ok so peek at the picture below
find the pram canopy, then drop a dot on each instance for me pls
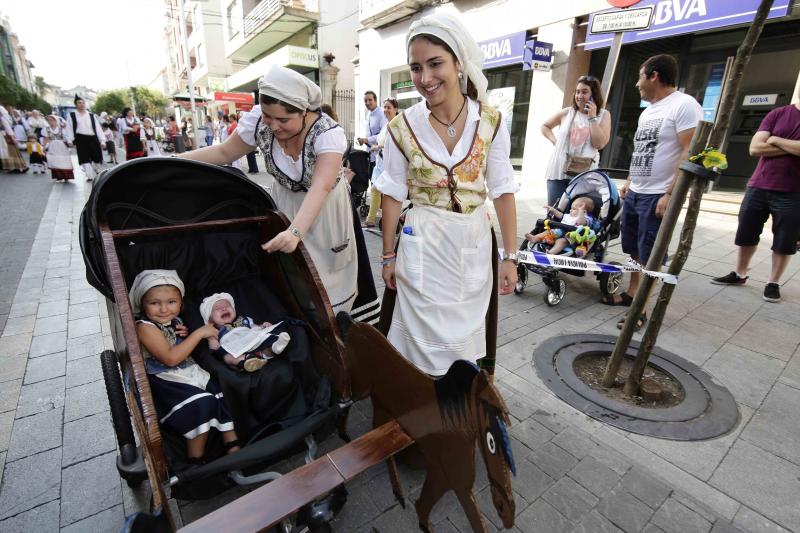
(595, 184)
(161, 191)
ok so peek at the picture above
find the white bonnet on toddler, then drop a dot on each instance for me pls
(146, 280)
(208, 304)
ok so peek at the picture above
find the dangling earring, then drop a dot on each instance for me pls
(460, 75)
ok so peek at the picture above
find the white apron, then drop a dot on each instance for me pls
(330, 241)
(444, 285)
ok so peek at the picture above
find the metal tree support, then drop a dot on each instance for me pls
(685, 181)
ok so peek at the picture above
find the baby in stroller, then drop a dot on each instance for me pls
(255, 347)
(580, 215)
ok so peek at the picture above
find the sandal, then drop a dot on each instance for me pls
(641, 321)
(625, 299)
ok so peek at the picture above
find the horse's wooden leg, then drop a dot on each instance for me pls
(432, 491)
(394, 477)
(470, 506)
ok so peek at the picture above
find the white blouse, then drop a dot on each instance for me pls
(331, 141)
(499, 172)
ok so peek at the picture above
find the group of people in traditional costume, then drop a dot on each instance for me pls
(445, 154)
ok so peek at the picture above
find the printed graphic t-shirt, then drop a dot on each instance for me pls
(655, 146)
(781, 173)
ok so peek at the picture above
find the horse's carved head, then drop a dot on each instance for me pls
(495, 444)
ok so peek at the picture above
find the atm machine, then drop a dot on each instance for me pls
(748, 116)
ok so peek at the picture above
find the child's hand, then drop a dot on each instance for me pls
(209, 331)
(213, 343)
(266, 324)
(181, 330)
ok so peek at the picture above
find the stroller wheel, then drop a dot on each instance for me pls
(363, 210)
(555, 292)
(610, 282)
(522, 279)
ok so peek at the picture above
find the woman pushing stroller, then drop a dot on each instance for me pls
(303, 150)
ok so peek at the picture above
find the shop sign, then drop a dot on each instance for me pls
(244, 106)
(538, 55)
(503, 50)
(402, 85)
(302, 57)
(679, 17)
(242, 98)
(760, 99)
(621, 20)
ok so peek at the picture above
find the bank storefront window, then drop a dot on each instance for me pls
(510, 91)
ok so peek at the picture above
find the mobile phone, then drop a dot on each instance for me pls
(586, 107)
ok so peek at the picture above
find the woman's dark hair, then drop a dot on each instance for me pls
(597, 92)
(665, 65)
(394, 103)
(330, 111)
(125, 112)
(472, 92)
(269, 100)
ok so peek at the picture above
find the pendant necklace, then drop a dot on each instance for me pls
(451, 130)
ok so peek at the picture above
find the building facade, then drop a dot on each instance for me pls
(702, 34)
(14, 63)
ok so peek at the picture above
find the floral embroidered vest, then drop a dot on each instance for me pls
(265, 138)
(460, 188)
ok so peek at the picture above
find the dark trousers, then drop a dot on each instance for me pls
(252, 164)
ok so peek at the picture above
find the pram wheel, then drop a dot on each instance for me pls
(522, 279)
(129, 462)
(363, 210)
(555, 292)
(610, 282)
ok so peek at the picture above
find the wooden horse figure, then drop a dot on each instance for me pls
(444, 416)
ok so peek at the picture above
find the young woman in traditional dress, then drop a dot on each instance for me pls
(303, 150)
(59, 160)
(446, 154)
(133, 135)
(10, 155)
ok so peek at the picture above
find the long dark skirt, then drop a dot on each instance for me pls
(89, 149)
(367, 307)
(188, 410)
(134, 148)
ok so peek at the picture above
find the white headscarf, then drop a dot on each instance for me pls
(208, 304)
(290, 87)
(146, 280)
(448, 28)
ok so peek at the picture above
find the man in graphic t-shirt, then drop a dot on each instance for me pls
(661, 142)
(773, 189)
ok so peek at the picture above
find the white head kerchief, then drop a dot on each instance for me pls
(448, 28)
(146, 280)
(208, 304)
(290, 87)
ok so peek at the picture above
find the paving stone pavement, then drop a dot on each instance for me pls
(57, 448)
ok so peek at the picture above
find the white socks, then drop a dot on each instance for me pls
(279, 345)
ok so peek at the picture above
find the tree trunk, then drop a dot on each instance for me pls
(660, 247)
(722, 123)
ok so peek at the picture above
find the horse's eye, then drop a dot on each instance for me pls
(490, 443)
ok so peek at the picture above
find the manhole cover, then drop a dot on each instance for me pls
(703, 409)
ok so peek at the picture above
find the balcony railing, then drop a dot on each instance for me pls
(266, 8)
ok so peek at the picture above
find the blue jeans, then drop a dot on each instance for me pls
(555, 188)
(209, 140)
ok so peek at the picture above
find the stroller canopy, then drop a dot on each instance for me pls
(595, 184)
(162, 191)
